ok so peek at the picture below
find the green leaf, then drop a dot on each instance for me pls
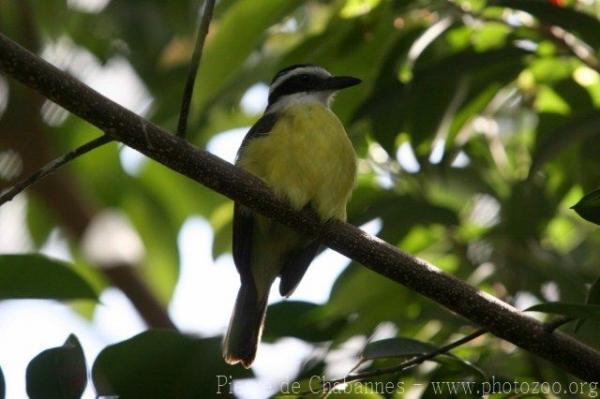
(39, 277)
(577, 310)
(396, 347)
(301, 320)
(164, 364)
(58, 373)
(589, 207)
(491, 35)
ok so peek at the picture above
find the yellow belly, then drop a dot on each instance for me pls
(306, 158)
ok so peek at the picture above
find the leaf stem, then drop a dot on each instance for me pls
(51, 167)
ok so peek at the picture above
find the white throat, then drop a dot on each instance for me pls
(324, 98)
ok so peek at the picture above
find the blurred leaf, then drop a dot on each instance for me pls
(164, 364)
(444, 79)
(551, 69)
(421, 116)
(577, 310)
(388, 94)
(40, 221)
(589, 207)
(225, 52)
(39, 277)
(408, 347)
(396, 347)
(491, 35)
(300, 320)
(58, 373)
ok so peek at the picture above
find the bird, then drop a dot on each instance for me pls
(302, 151)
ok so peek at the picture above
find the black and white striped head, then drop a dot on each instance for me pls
(305, 83)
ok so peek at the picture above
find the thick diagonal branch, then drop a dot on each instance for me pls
(490, 313)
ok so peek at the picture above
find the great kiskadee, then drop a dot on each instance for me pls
(301, 150)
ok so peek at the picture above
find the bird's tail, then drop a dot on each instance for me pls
(245, 327)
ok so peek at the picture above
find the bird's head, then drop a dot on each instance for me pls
(305, 83)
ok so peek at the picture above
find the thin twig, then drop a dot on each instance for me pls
(574, 45)
(186, 101)
(51, 167)
(329, 385)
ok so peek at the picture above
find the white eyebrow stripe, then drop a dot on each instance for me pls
(314, 70)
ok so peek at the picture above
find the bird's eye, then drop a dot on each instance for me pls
(304, 78)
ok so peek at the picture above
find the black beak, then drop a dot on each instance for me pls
(340, 82)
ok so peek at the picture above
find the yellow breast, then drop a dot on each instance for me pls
(306, 158)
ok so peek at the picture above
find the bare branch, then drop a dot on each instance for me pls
(575, 46)
(186, 102)
(415, 361)
(496, 316)
(51, 167)
(330, 385)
